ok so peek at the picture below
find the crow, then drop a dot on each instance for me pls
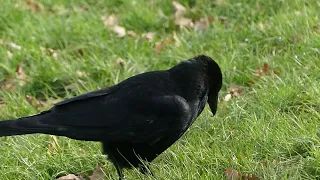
(135, 120)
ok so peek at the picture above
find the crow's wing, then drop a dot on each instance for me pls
(119, 114)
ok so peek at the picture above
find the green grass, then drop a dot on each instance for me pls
(271, 130)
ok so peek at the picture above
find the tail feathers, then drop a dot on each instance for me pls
(45, 124)
(26, 125)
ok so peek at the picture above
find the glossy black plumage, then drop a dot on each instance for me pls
(136, 119)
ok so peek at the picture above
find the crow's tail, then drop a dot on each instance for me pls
(25, 125)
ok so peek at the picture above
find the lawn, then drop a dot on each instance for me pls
(267, 125)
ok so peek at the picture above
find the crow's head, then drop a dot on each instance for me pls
(214, 76)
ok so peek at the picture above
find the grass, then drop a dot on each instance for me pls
(271, 130)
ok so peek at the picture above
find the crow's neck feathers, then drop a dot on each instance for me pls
(196, 75)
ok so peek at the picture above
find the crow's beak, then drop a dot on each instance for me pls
(213, 103)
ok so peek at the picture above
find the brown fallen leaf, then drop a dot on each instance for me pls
(33, 5)
(160, 45)
(179, 13)
(81, 74)
(262, 71)
(97, 173)
(201, 24)
(233, 91)
(70, 177)
(228, 97)
(183, 22)
(120, 61)
(179, 8)
(34, 102)
(111, 22)
(132, 33)
(21, 76)
(49, 51)
(7, 84)
(232, 174)
(84, 7)
(148, 35)
(261, 26)
(119, 30)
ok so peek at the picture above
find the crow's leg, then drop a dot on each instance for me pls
(116, 165)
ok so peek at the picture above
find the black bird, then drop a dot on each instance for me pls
(137, 119)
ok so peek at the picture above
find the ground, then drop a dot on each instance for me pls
(267, 125)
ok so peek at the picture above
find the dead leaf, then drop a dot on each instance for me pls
(34, 102)
(120, 61)
(21, 76)
(53, 145)
(97, 173)
(111, 22)
(201, 24)
(81, 74)
(50, 52)
(1, 42)
(179, 13)
(53, 53)
(148, 35)
(179, 8)
(8, 84)
(33, 5)
(183, 22)
(85, 8)
(228, 97)
(262, 71)
(261, 26)
(132, 33)
(233, 91)
(70, 177)
(119, 30)
(160, 45)
(232, 174)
